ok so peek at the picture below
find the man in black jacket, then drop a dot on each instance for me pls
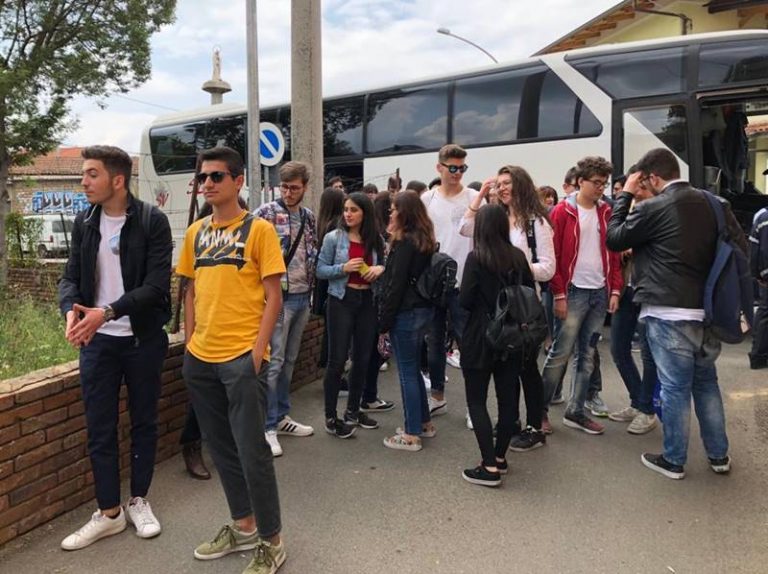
(115, 295)
(673, 240)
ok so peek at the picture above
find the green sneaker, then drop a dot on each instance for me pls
(266, 558)
(227, 540)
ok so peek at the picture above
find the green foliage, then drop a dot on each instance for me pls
(31, 337)
(21, 236)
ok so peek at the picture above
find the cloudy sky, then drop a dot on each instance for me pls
(366, 43)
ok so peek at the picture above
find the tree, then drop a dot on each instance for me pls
(53, 50)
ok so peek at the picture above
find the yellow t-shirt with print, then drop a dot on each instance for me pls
(228, 262)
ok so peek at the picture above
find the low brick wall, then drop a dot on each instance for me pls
(44, 467)
(38, 283)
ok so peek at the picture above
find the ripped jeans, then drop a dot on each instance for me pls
(685, 354)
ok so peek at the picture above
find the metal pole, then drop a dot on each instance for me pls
(447, 32)
(254, 168)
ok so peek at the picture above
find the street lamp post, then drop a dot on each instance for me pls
(447, 32)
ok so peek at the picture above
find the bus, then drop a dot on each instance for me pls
(704, 97)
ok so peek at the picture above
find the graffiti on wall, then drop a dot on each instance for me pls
(68, 202)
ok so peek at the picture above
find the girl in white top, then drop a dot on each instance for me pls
(517, 194)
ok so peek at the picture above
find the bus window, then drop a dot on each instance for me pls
(229, 132)
(560, 112)
(486, 108)
(174, 149)
(726, 63)
(343, 127)
(644, 128)
(635, 74)
(408, 119)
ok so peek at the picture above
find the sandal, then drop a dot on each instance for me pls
(398, 442)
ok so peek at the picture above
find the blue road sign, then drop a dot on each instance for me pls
(271, 144)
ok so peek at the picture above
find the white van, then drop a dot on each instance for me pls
(56, 235)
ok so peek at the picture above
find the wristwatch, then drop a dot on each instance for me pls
(109, 313)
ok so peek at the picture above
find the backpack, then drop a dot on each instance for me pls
(519, 323)
(728, 289)
(438, 280)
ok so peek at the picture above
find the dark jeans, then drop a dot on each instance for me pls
(436, 338)
(351, 322)
(371, 386)
(407, 333)
(760, 327)
(623, 326)
(230, 400)
(476, 381)
(191, 432)
(533, 391)
(104, 364)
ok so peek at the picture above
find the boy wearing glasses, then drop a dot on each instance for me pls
(115, 295)
(234, 265)
(297, 231)
(587, 282)
(446, 205)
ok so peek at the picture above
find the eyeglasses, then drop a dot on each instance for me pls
(291, 188)
(455, 168)
(216, 176)
(598, 183)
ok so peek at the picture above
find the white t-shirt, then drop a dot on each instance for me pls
(109, 276)
(446, 214)
(671, 313)
(588, 272)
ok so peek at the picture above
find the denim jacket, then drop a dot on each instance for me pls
(334, 253)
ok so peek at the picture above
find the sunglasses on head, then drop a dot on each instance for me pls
(455, 168)
(216, 176)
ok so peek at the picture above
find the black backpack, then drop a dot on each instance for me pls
(518, 324)
(438, 280)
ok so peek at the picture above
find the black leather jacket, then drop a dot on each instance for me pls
(672, 237)
(145, 261)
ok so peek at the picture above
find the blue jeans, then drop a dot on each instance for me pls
(685, 354)
(407, 333)
(436, 338)
(581, 329)
(623, 326)
(105, 363)
(285, 345)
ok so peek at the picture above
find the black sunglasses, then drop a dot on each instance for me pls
(455, 168)
(216, 176)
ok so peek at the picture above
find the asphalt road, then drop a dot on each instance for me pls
(582, 504)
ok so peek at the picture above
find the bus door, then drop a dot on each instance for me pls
(644, 124)
(733, 135)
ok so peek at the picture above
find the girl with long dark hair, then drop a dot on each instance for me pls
(405, 315)
(532, 233)
(492, 264)
(350, 260)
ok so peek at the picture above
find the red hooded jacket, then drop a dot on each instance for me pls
(565, 220)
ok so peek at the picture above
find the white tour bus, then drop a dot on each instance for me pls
(704, 97)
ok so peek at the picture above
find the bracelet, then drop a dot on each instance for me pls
(472, 209)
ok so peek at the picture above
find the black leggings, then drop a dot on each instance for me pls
(533, 391)
(505, 375)
(351, 321)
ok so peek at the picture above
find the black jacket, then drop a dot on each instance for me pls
(145, 262)
(673, 238)
(405, 264)
(479, 289)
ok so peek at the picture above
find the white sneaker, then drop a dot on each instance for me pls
(470, 426)
(291, 427)
(437, 407)
(454, 359)
(642, 424)
(274, 444)
(625, 415)
(98, 527)
(384, 367)
(141, 516)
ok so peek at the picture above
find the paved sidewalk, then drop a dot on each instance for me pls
(583, 504)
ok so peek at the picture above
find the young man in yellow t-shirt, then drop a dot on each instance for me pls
(234, 264)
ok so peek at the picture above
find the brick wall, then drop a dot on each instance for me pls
(39, 283)
(44, 468)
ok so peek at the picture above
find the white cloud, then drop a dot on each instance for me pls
(366, 43)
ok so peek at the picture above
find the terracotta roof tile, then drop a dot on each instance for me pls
(63, 161)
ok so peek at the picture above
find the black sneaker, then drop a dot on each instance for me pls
(479, 475)
(360, 420)
(658, 463)
(379, 405)
(339, 428)
(502, 466)
(527, 440)
(721, 465)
